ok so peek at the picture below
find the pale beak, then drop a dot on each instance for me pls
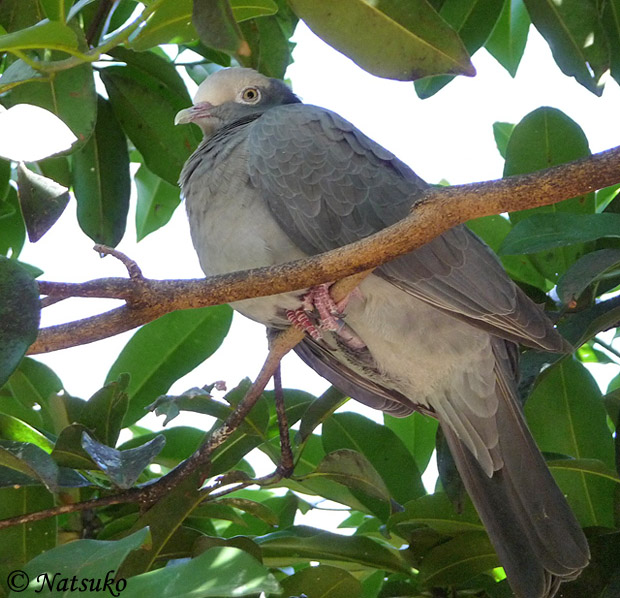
(193, 113)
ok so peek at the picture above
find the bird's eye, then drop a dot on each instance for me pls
(251, 95)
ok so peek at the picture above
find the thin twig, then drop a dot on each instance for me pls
(286, 465)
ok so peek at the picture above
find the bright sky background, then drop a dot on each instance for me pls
(447, 137)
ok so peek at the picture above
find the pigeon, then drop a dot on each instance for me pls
(435, 330)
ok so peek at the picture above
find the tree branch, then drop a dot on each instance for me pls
(434, 211)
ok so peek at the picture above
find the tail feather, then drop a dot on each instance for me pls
(537, 538)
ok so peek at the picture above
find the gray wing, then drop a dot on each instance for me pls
(328, 185)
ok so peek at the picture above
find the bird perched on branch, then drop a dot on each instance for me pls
(434, 330)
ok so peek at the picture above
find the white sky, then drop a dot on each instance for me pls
(446, 137)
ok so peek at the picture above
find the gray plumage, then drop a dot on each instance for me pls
(275, 180)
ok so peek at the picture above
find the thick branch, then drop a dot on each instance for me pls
(434, 211)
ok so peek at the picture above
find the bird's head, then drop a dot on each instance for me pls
(231, 94)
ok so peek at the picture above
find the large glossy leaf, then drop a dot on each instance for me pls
(300, 543)
(543, 232)
(15, 14)
(101, 180)
(319, 411)
(12, 428)
(12, 227)
(611, 23)
(170, 22)
(474, 21)
(417, 433)
(217, 26)
(21, 543)
(547, 137)
(574, 32)
(69, 94)
(163, 351)
(383, 449)
(92, 559)
(157, 201)
(42, 201)
(52, 35)
(507, 42)
(20, 312)
(587, 270)
(459, 559)
(30, 460)
(323, 581)
(26, 395)
(268, 39)
(218, 572)
(566, 416)
(145, 106)
(390, 39)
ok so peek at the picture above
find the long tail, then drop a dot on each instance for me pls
(536, 536)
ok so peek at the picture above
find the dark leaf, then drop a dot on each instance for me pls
(611, 23)
(542, 232)
(417, 432)
(319, 411)
(474, 21)
(389, 39)
(170, 22)
(323, 581)
(42, 201)
(12, 227)
(20, 311)
(29, 459)
(588, 269)
(566, 415)
(101, 180)
(146, 106)
(217, 27)
(507, 42)
(163, 351)
(122, 467)
(574, 32)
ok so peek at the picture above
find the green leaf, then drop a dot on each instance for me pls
(542, 232)
(353, 470)
(270, 48)
(474, 21)
(146, 106)
(26, 395)
(68, 451)
(21, 543)
(29, 459)
(573, 30)
(323, 581)
(587, 270)
(122, 467)
(170, 23)
(157, 201)
(163, 351)
(437, 512)
(101, 180)
(547, 137)
(389, 39)
(507, 42)
(300, 544)
(52, 35)
(502, 133)
(18, 73)
(16, 15)
(103, 413)
(251, 507)
(69, 94)
(42, 201)
(218, 572)
(566, 416)
(458, 559)
(12, 428)
(611, 23)
(92, 559)
(493, 230)
(417, 432)
(319, 411)
(383, 449)
(588, 466)
(217, 27)
(55, 9)
(12, 227)
(20, 311)
(243, 10)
